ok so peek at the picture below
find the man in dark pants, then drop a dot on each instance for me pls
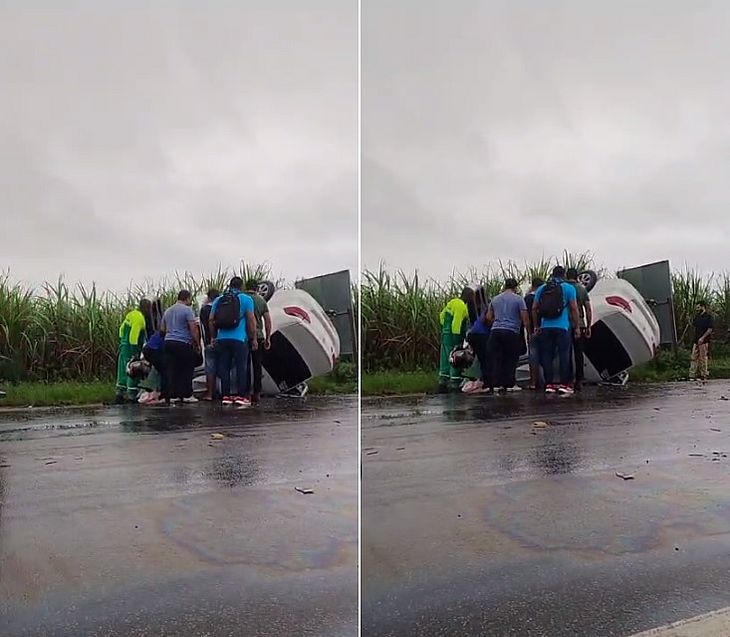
(532, 340)
(585, 314)
(211, 373)
(182, 339)
(263, 336)
(478, 338)
(507, 314)
(232, 342)
(554, 312)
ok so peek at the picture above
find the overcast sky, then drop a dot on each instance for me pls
(516, 129)
(137, 142)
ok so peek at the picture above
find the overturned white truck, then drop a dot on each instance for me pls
(304, 344)
(625, 331)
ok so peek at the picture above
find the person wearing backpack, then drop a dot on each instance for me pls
(232, 328)
(554, 313)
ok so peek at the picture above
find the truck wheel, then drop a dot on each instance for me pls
(266, 289)
(588, 278)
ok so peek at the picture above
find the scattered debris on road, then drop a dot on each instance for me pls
(624, 476)
(217, 436)
(304, 491)
(52, 462)
(540, 424)
(401, 449)
(697, 455)
(371, 453)
(724, 398)
(715, 429)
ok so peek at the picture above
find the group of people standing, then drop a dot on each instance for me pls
(233, 330)
(551, 322)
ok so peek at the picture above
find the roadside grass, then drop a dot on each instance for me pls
(666, 368)
(393, 383)
(343, 380)
(58, 394)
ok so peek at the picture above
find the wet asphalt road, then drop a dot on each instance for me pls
(475, 522)
(133, 521)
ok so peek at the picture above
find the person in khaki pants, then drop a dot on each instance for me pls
(703, 325)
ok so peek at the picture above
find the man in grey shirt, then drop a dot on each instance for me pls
(507, 314)
(182, 339)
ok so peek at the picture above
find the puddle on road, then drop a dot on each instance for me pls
(458, 408)
(145, 420)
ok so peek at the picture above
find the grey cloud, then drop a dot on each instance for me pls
(137, 137)
(523, 128)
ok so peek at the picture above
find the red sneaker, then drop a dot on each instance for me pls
(227, 400)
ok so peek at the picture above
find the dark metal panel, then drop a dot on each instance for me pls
(334, 293)
(654, 282)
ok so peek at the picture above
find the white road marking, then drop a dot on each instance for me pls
(714, 624)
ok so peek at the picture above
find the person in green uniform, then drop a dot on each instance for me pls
(132, 336)
(454, 319)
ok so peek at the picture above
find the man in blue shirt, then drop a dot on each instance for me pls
(232, 342)
(554, 305)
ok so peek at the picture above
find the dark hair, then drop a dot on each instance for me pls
(511, 284)
(467, 295)
(537, 282)
(236, 283)
(184, 295)
(252, 284)
(572, 274)
(559, 272)
(213, 294)
(145, 305)
(702, 303)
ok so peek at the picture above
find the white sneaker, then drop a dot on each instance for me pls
(515, 388)
(190, 400)
(243, 402)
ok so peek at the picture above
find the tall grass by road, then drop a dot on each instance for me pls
(400, 326)
(58, 333)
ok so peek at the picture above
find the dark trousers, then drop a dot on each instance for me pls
(504, 352)
(257, 369)
(156, 357)
(180, 367)
(480, 343)
(233, 354)
(552, 340)
(578, 358)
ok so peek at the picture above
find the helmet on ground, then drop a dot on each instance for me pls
(461, 357)
(138, 368)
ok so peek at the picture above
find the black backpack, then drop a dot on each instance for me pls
(228, 311)
(552, 301)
